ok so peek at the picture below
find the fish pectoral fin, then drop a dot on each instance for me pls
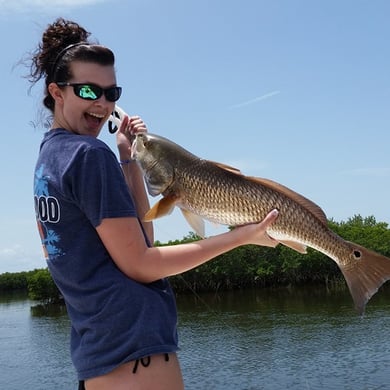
(195, 221)
(163, 207)
(297, 246)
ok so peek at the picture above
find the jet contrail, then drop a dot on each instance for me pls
(257, 99)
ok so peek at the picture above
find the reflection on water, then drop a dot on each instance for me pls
(265, 339)
(34, 349)
(281, 339)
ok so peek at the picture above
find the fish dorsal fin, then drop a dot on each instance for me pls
(195, 221)
(306, 203)
(163, 207)
(226, 167)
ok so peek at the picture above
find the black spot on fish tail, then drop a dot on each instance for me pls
(366, 275)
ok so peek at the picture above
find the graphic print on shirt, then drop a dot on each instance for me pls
(47, 210)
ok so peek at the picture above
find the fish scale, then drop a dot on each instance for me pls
(235, 203)
(221, 194)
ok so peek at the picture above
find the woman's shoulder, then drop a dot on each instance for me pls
(66, 139)
(74, 149)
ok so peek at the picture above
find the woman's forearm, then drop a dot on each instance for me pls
(123, 240)
(135, 182)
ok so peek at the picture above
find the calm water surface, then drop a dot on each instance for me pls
(264, 339)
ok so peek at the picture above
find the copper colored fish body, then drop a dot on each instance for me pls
(204, 189)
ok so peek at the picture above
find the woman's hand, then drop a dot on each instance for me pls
(129, 127)
(257, 233)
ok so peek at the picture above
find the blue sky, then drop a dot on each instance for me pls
(295, 91)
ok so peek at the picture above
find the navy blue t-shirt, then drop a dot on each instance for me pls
(78, 182)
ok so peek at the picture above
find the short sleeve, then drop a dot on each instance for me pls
(98, 186)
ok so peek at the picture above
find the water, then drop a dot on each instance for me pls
(264, 339)
(299, 339)
(33, 348)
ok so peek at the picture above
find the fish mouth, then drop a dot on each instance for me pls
(138, 147)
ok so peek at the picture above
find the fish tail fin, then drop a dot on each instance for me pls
(366, 275)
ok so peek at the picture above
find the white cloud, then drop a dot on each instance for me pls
(17, 259)
(23, 6)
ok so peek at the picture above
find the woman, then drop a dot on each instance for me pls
(121, 307)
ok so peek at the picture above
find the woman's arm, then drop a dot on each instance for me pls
(135, 182)
(132, 172)
(124, 241)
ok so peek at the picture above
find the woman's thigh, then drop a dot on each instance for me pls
(152, 373)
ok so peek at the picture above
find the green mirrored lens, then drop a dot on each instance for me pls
(89, 92)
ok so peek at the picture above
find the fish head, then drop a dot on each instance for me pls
(152, 154)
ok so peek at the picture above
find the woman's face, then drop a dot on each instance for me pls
(80, 116)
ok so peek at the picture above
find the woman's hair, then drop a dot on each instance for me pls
(62, 43)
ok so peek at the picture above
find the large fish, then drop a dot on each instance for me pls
(221, 194)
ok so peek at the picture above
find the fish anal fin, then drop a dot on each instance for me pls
(163, 207)
(195, 221)
(296, 246)
(298, 198)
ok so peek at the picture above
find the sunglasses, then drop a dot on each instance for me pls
(92, 91)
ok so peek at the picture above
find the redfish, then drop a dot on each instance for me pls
(204, 189)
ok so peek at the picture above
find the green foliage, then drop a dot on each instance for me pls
(191, 237)
(247, 266)
(251, 266)
(42, 288)
(366, 232)
(14, 281)
(38, 283)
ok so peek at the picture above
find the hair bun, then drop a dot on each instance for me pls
(59, 35)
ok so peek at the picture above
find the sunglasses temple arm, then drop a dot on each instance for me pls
(115, 119)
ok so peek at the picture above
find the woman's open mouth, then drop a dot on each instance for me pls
(94, 120)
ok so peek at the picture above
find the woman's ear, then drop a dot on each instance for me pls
(56, 92)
